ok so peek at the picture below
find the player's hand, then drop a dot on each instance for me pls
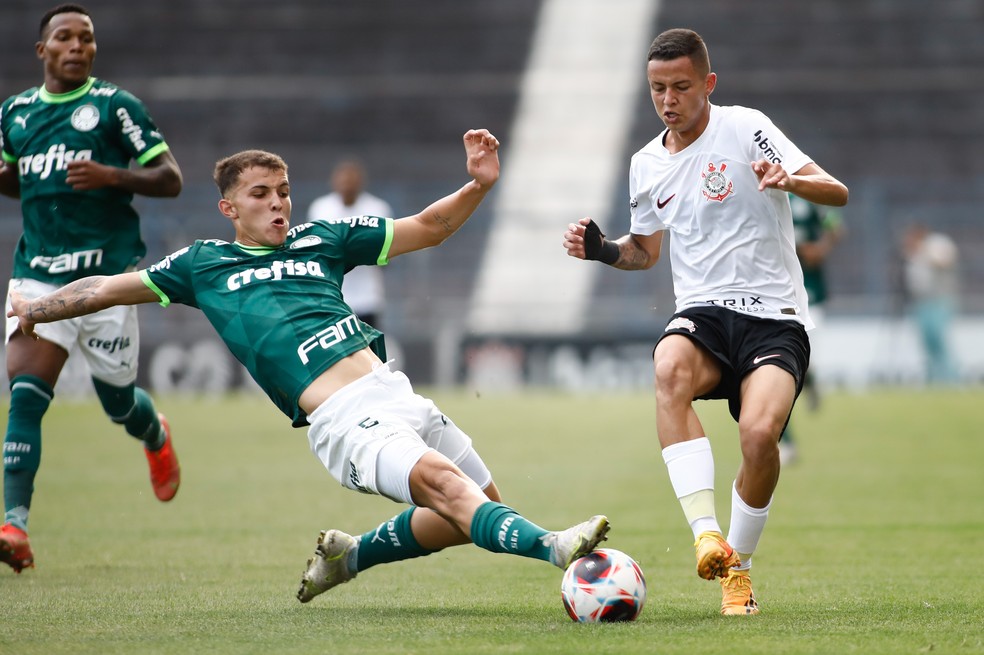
(86, 175)
(574, 237)
(482, 152)
(771, 175)
(18, 308)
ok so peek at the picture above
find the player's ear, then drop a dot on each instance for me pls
(227, 208)
(710, 82)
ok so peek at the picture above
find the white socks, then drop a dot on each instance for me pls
(690, 465)
(747, 524)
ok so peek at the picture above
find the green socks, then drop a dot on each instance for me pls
(132, 407)
(392, 541)
(29, 400)
(495, 527)
(500, 529)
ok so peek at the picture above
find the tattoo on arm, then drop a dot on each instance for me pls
(631, 256)
(443, 222)
(75, 299)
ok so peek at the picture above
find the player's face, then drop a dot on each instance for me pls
(347, 181)
(67, 48)
(259, 207)
(680, 94)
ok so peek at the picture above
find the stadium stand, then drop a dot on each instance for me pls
(885, 93)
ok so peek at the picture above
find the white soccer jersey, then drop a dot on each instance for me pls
(731, 245)
(363, 287)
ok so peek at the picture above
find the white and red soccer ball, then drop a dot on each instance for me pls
(604, 586)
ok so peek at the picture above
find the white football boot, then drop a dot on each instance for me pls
(329, 566)
(576, 541)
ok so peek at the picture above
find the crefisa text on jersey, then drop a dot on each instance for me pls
(275, 271)
(56, 158)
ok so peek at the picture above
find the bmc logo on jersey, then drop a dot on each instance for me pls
(769, 150)
(56, 159)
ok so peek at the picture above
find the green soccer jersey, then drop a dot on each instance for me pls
(71, 234)
(810, 221)
(280, 311)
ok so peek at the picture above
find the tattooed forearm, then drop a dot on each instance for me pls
(444, 222)
(631, 257)
(75, 299)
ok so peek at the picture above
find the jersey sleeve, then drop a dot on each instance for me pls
(138, 132)
(643, 219)
(766, 141)
(171, 277)
(7, 156)
(363, 240)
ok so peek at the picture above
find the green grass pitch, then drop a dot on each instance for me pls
(874, 542)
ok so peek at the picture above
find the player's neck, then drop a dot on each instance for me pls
(57, 87)
(676, 140)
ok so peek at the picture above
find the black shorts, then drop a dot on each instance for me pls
(742, 343)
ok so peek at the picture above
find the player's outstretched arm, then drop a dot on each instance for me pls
(442, 218)
(85, 296)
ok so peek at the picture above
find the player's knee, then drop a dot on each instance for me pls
(439, 484)
(760, 438)
(117, 401)
(492, 492)
(673, 376)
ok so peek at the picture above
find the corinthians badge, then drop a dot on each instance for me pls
(716, 184)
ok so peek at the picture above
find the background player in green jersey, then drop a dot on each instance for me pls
(66, 149)
(818, 228)
(274, 296)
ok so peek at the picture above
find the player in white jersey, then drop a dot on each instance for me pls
(717, 179)
(363, 287)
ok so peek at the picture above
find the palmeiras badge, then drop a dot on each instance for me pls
(716, 184)
(85, 118)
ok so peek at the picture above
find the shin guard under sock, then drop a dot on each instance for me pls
(500, 529)
(29, 400)
(392, 541)
(132, 407)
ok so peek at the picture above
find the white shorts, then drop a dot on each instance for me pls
(372, 432)
(109, 340)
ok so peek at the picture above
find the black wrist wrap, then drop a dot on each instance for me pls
(596, 247)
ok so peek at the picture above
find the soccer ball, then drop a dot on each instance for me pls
(603, 586)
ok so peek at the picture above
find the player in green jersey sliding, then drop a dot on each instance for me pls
(66, 147)
(274, 296)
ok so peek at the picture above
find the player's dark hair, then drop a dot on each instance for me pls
(229, 169)
(60, 9)
(679, 42)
